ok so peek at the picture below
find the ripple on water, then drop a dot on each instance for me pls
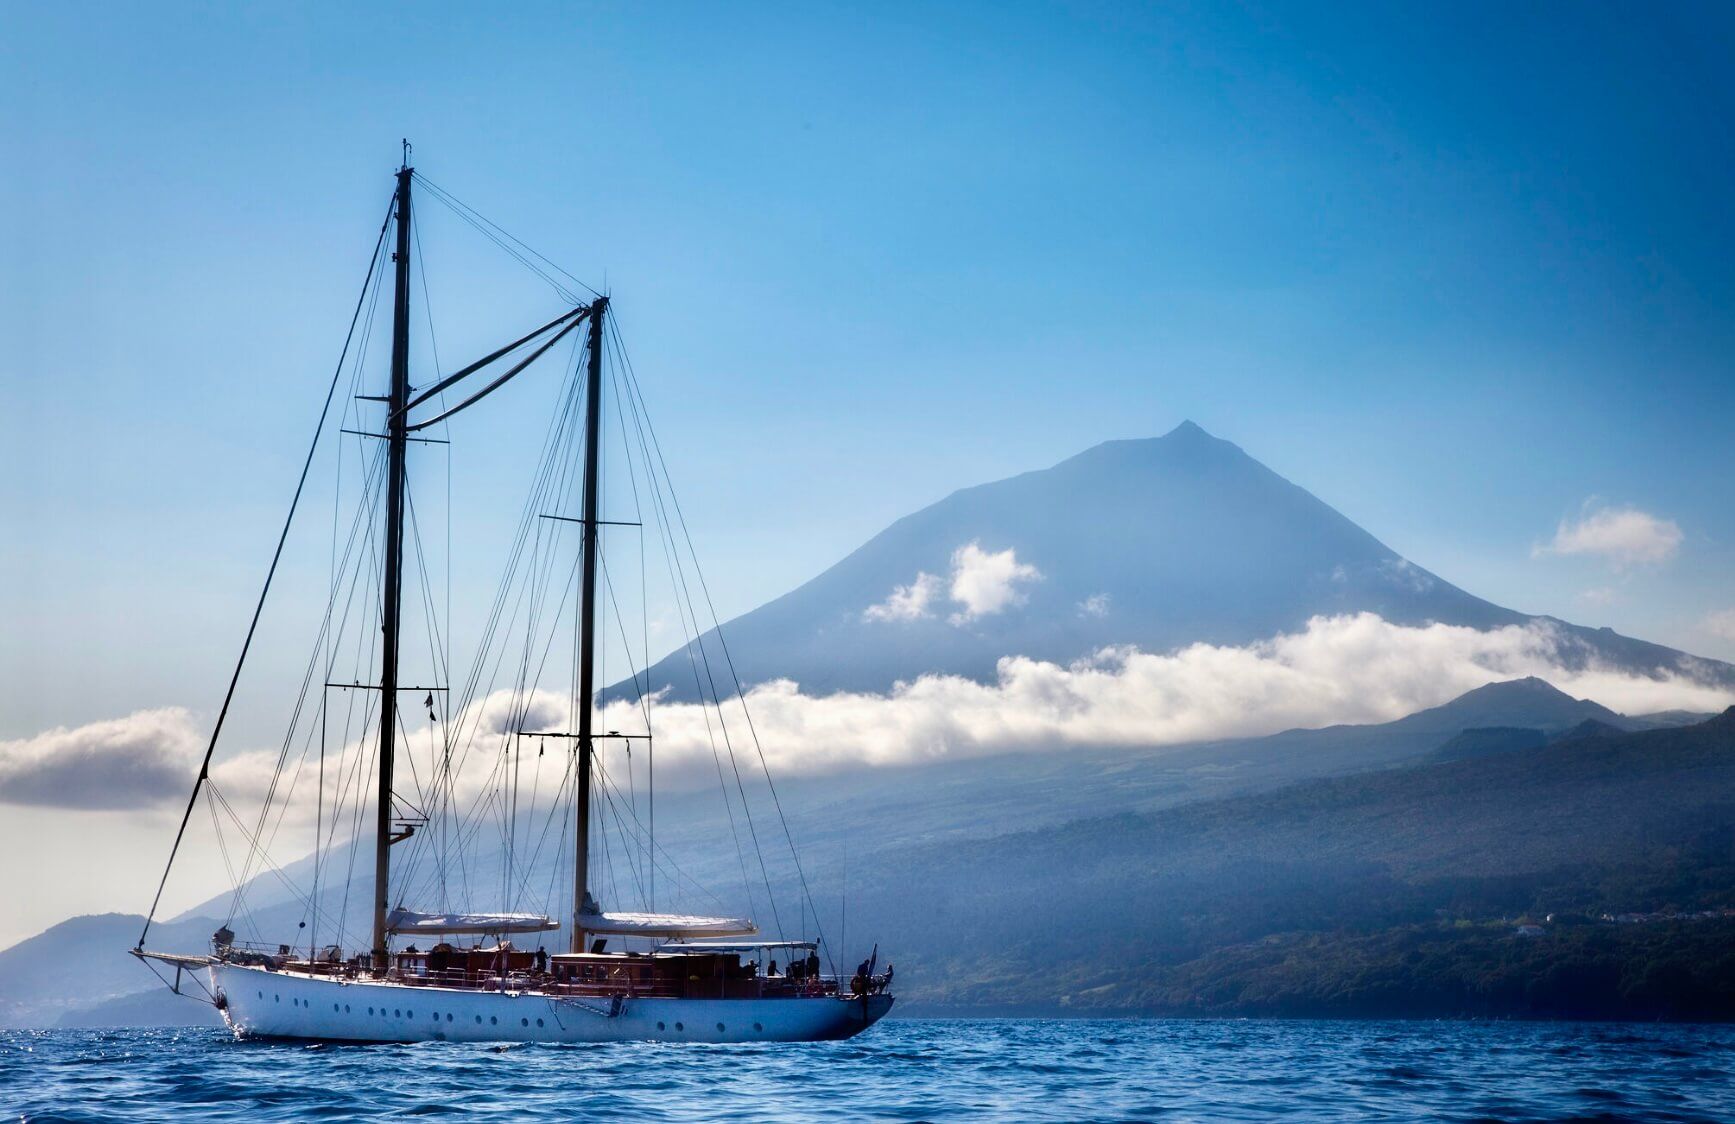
(903, 1070)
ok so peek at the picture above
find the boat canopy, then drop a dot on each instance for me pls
(664, 925)
(408, 921)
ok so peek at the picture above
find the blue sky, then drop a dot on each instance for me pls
(1459, 270)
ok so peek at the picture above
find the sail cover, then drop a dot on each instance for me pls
(408, 921)
(665, 925)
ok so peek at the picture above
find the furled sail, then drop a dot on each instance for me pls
(665, 925)
(409, 921)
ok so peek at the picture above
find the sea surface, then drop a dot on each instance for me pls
(905, 1070)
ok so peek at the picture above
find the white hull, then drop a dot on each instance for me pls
(260, 1003)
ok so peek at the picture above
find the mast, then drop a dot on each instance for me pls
(391, 596)
(587, 623)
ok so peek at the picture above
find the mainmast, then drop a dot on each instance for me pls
(587, 623)
(391, 596)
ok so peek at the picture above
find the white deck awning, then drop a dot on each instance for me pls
(409, 921)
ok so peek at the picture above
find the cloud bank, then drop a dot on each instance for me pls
(1345, 669)
(1624, 536)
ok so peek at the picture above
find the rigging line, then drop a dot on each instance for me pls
(746, 808)
(228, 697)
(564, 292)
(683, 608)
(644, 623)
(476, 223)
(258, 834)
(559, 430)
(559, 421)
(307, 678)
(454, 200)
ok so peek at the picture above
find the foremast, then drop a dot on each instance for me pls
(587, 622)
(391, 595)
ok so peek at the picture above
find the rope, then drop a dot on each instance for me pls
(276, 556)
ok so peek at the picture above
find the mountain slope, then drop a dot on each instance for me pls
(1639, 821)
(1156, 543)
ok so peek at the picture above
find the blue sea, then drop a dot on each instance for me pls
(905, 1070)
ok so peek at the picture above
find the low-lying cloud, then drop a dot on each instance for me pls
(146, 758)
(1624, 536)
(1345, 669)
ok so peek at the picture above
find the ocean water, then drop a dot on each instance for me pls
(905, 1070)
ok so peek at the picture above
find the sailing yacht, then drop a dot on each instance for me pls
(458, 974)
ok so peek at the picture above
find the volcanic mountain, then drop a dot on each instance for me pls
(1156, 543)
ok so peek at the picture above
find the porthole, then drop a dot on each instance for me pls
(680, 1026)
(478, 1020)
(409, 1014)
(396, 1014)
(346, 1008)
(448, 1018)
(436, 1016)
(334, 1008)
(660, 1026)
(492, 1021)
(758, 1028)
(538, 1022)
(719, 1028)
(262, 995)
(523, 1022)
(370, 1010)
(277, 999)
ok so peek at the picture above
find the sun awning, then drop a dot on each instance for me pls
(665, 925)
(408, 921)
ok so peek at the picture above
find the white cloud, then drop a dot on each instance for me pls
(907, 602)
(986, 582)
(1349, 669)
(1720, 624)
(1625, 536)
(981, 583)
(1096, 605)
(144, 759)
(1598, 595)
(1346, 669)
